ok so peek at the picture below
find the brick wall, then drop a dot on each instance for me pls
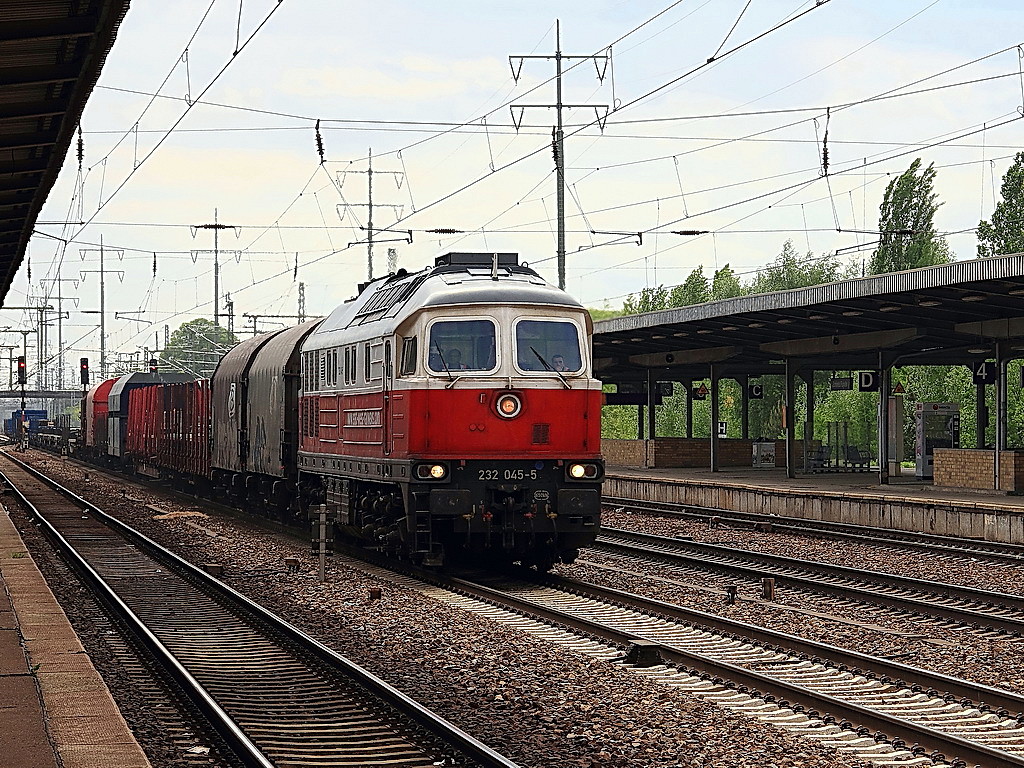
(623, 453)
(966, 468)
(665, 452)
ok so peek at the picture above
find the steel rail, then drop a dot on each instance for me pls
(747, 680)
(433, 723)
(872, 583)
(929, 542)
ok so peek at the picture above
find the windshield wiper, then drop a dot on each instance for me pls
(441, 356)
(551, 368)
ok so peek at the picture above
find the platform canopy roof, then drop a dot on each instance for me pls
(948, 314)
(51, 53)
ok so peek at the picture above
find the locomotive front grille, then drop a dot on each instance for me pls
(541, 434)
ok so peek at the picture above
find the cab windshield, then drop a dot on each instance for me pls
(548, 345)
(461, 345)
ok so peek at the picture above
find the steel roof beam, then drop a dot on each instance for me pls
(39, 75)
(50, 29)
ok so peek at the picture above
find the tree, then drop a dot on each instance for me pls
(694, 290)
(906, 221)
(1005, 233)
(196, 347)
(725, 284)
(789, 271)
(648, 300)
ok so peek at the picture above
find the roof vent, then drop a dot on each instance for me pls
(476, 260)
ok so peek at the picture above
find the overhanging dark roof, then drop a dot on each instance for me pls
(51, 54)
(929, 315)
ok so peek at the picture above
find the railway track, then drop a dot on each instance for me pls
(874, 708)
(950, 546)
(275, 695)
(848, 699)
(968, 606)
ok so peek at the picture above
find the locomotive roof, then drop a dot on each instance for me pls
(455, 279)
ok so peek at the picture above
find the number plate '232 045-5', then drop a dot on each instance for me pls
(507, 474)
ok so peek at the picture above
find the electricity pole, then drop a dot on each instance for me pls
(370, 205)
(216, 227)
(557, 139)
(103, 298)
(60, 321)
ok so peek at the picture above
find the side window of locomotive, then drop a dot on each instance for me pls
(408, 356)
(462, 345)
(374, 362)
(548, 345)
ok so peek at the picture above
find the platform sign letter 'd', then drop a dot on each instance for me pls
(868, 381)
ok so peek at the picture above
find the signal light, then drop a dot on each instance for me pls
(22, 370)
(153, 365)
(83, 367)
(509, 406)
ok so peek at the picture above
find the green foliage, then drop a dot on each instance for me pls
(907, 222)
(790, 271)
(725, 284)
(196, 347)
(1005, 233)
(604, 314)
(694, 290)
(648, 300)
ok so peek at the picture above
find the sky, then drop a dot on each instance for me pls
(208, 109)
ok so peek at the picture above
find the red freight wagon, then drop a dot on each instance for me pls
(168, 432)
(94, 419)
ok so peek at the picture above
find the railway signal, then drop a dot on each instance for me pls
(22, 370)
(153, 365)
(83, 367)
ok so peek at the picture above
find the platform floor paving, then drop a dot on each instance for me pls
(55, 710)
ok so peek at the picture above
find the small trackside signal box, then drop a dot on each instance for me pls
(83, 367)
(22, 370)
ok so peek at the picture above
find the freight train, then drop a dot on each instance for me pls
(438, 415)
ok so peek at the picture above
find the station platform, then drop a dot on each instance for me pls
(55, 710)
(850, 497)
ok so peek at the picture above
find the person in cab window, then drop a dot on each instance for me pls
(454, 359)
(558, 362)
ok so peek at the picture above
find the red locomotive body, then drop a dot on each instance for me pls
(454, 410)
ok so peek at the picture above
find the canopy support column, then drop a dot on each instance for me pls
(714, 418)
(884, 388)
(1000, 442)
(788, 416)
(808, 377)
(744, 381)
(980, 415)
(689, 408)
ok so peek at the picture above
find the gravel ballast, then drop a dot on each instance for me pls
(540, 704)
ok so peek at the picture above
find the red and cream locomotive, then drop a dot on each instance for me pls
(453, 411)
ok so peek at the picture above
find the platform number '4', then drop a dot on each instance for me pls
(984, 372)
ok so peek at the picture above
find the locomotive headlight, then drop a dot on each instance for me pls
(509, 406)
(431, 471)
(583, 471)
